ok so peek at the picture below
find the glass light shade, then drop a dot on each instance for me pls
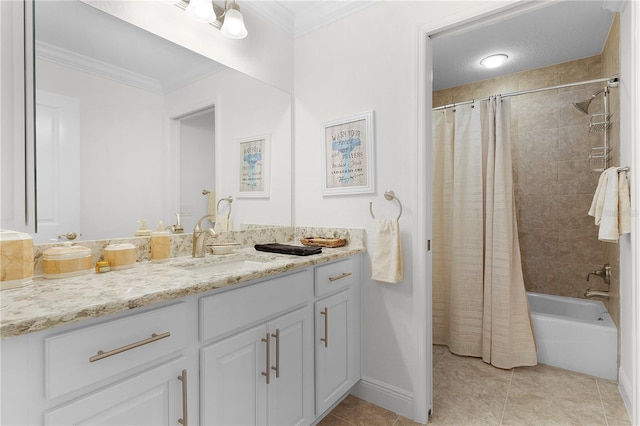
(201, 10)
(233, 26)
(494, 61)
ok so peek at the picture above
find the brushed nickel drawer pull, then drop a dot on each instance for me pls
(341, 276)
(267, 374)
(184, 421)
(277, 367)
(154, 337)
(325, 339)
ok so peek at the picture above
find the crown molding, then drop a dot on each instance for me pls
(83, 63)
(271, 12)
(322, 13)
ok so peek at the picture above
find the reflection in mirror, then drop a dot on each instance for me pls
(114, 116)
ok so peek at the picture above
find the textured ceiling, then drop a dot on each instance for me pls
(553, 33)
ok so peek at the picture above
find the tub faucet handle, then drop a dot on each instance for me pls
(604, 273)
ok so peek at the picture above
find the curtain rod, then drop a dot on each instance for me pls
(612, 80)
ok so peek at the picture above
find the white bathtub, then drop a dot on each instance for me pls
(574, 334)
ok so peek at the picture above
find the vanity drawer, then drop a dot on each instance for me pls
(235, 309)
(335, 276)
(88, 355)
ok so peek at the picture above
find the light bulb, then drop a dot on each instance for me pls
(201, 10)
(233, 26)
(494, 61)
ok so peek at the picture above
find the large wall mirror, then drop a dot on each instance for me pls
(131, 127)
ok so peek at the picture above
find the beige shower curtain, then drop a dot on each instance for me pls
(479, 301)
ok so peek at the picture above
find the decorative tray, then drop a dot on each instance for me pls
(323, 242)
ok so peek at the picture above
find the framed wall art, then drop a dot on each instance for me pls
(347, 155)
(254, 166)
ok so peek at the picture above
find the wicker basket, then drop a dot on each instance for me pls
(323, 242)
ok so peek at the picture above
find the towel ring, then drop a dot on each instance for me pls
(389, 196)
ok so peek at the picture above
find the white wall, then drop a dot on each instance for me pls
(369, 61)
(121, 158)
(244, 107)
(629, 131)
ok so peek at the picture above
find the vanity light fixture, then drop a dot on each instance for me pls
(201, 11)
(233, 23)
(494, 61)
(229, 20)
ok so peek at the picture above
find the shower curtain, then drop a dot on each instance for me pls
(479, 301)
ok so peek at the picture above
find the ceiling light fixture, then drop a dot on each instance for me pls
(494, 61)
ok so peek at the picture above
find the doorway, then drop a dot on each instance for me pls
(197, 165)
(428, 67)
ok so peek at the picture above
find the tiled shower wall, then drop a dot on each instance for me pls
(553, 182)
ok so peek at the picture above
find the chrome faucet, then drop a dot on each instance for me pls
(604, 273)
(200, 236)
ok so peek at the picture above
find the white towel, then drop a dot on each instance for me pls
(211, 204)
(386, 252)
(624, 203)
(611, 205)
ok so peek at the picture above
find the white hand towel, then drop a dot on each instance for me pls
(624, 204)
(597, 204)
(611, 205)
(609, 221)
(211, 204)
(386, 252)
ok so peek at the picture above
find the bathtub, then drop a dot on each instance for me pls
(574, 334)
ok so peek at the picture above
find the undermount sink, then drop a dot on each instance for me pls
(229, 266)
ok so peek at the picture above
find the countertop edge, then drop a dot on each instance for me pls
(26, 324)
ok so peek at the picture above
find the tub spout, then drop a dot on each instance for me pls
(596, 293)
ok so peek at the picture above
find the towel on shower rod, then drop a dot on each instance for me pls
(386, 252)
(611, 205)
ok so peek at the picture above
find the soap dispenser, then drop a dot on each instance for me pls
(160, 244)
(143, 231)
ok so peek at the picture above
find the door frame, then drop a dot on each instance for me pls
(423, 389)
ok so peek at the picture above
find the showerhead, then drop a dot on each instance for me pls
(584, 105)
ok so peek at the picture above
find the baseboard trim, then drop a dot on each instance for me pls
(384, 395)
(625, 389)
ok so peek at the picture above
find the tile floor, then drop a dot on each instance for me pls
(469, 392)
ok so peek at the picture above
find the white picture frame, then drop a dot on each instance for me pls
(254, 166)
(348, 155)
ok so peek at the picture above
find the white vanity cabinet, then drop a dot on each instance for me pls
(262, 375)
(130, 369)
(275, 351)
(153, 397)
(337, 320)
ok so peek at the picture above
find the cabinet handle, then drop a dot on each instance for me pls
(184, 421)
(154, 337)
(325, 339)
(267, 340)
(277, 367)
(341, 276)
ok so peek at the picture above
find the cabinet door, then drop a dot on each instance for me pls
(150, 398)
(233, 389)
(290, 389)
(332, 354)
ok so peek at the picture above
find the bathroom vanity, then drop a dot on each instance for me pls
(247, 338)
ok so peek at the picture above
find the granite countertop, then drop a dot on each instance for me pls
(50, 303)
